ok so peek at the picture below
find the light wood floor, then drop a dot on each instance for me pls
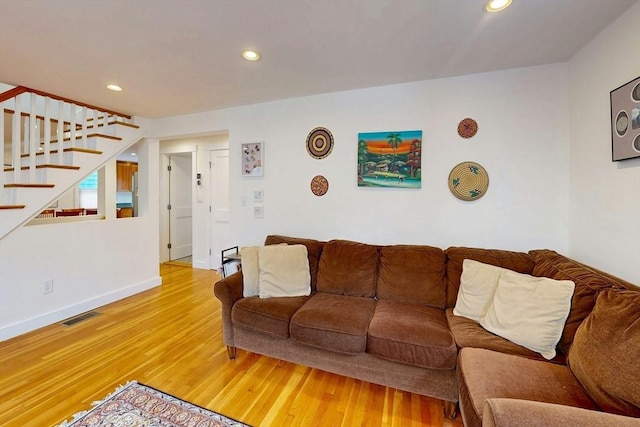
(170, 338)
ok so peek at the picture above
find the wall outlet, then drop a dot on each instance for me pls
(47, 286)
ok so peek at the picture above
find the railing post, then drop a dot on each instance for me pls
(72, 126)
(32, 138)
(2, 180)
(60, 130)
(84, 127)
(47, 130)
(15, 140)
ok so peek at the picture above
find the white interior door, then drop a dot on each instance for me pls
(219, 204)
(180, 214)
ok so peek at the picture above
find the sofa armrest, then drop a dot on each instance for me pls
(527, 413)
(228, 291)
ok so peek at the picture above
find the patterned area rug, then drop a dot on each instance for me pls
(138, 405)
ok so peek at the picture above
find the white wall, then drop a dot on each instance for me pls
(604, 208)
(91, 263)
(523, 142)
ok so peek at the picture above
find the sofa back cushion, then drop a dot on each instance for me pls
(412, 274)
(314, 249)
(606, 350)
(588, 283)
(516, 261)
(348, 268)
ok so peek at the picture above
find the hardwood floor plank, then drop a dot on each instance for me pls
(170, 338)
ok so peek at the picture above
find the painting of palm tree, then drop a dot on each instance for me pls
(390, 159)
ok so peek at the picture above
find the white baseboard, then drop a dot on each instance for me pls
(28, 325)
(204, 265)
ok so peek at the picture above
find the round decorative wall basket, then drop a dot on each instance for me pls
(319, 143)
(467, 128)
(319, 185)
(468, 181)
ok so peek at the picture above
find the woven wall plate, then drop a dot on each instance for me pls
(467, 128)
(319, 185)
(468, 181)
(319, 143)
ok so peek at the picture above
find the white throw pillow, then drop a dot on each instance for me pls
(250, 271)
(284, 271)
(478, 284)
(530, 311)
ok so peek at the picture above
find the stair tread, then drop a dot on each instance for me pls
(29, 185)
(91, 135)
(67, 150)
(46, 166)
(12, 206)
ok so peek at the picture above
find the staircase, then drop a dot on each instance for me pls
(50, 145)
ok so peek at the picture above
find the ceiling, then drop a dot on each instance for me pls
(176, 57)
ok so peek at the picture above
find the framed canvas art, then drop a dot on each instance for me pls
(390, 159)
(625, 121)
(253, 159)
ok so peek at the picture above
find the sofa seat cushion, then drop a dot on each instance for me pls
(469, 333)
(333, 322)
(270, 316)
(412, 334)
(485, 374)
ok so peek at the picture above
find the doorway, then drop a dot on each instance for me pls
(180, 207)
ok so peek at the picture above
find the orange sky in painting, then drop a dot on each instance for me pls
(383, 147)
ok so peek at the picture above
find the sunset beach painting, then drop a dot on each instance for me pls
(390, 159)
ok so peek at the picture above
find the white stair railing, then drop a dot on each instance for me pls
(35, 114)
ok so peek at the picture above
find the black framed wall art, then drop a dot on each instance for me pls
(625, 121)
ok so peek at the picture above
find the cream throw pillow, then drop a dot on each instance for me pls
(530, 311)
(478, 284)
(284, 271)
(250, 271)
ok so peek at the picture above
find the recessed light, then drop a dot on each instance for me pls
(251, 55)
(134, 154)
(496, 5)
(115, 88)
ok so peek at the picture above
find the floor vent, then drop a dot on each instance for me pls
(81, 317)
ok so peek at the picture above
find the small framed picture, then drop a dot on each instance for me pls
(253, 159)
(258, 212)
(258, 196)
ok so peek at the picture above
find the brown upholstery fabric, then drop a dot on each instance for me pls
(333, 322)
(228, 291)
(469, 333)
(588, 283)
(516, 261)
(485, 374)
(412, 334)
(348, 268)
(268, 315)
(314, 250)
(526, 413)
(605, 355)
(412, 274)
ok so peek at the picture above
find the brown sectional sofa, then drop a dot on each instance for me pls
(384, 314)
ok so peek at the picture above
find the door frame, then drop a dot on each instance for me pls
(164, 201)
(199, 147)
